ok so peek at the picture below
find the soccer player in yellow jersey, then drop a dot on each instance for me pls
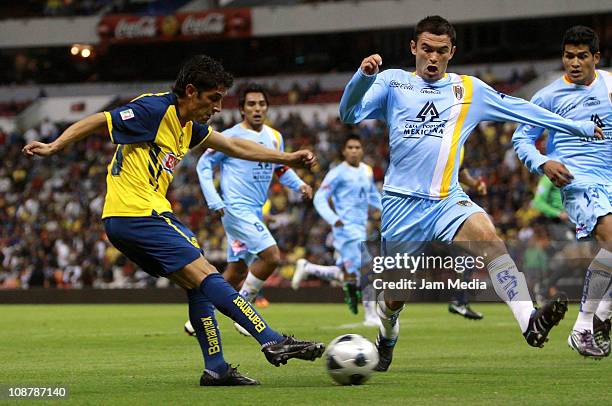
(153, 133)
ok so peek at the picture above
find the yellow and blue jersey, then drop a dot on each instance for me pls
(429, 122)
(587, 158)
(151, 140)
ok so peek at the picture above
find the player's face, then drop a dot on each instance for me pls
(203, 104)
(432, 55)
(254, 110)
(579, 63)
(352, 152)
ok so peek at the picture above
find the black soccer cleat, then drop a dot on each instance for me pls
(352, 296)
(584, 344)
(385, 348)
(601, 334)
(280, 353)
(544, 319)
(464, 310)
(231, 378)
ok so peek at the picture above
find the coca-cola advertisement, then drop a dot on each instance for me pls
(227, 23)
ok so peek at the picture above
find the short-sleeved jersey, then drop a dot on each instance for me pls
(243, 182)
(151, 141)
(587, 158)
(352, 191)
(430, 121)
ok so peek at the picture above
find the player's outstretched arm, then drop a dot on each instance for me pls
(365, 93)
(77, 131)
(205, 170)
(252, 151)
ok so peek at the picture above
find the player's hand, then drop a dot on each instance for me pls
(302, 159)
(599, 133)
(558, 174)
(371, 64)
(220, 212)
(338, 223)
(306, 191)
(563, 216)
(39, 148)
(481, 187)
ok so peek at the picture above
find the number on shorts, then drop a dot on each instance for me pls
(258, 226)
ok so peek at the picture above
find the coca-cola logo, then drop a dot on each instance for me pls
(213, 23)
(144, 27)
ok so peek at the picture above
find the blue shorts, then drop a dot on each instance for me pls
(347, 243)
(409, 219)
(247, 235)
(585, 204)
(159, 243)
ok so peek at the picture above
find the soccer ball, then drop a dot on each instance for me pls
(351, 359)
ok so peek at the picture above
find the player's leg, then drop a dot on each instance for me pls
(260, 270)
(350, 258)
(602, 318)
(460, 303)
(235, 273)
(477, 235)
(589, 208)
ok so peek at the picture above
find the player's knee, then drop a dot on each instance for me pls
(273, 261)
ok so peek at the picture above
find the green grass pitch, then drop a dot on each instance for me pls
(138, 354)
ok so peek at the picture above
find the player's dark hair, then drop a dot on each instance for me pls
(581, 35)
(204, 73)
(350, 137)
(435, 25)
(252, 88)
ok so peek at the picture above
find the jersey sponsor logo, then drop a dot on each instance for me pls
(169, 162)
(591, 101)
(458, 91)
(403, 86)
(126, 114)
(464, 203)
(212, 337)
(427, 122)
(246, 309)
(430, 90)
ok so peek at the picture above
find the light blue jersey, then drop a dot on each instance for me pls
(351, 190)
(244, 186)
(589, 195)
(587, 158)
(430, 121)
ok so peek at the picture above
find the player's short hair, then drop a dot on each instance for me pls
(351, 136)
(435, 25)
(252, 88)
(581, 35)
(204, 73)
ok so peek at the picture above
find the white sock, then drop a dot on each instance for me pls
(369, 302)
(596, 283)
(251, 287)
(511, 287)
(389, 319)
(327, 273)
(604, 310)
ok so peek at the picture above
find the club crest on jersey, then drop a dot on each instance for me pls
(126, 114)
(458, 91)
(169, 162)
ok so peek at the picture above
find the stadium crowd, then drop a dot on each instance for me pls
(50, 209)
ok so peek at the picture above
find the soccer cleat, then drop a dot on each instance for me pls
(464, 310)
(584, 344)
(231, 378)
(544, 319)
(601, 334)
(188, 328)
(385, 348)
(241, 330)
(299, 274)
(281, 352)
(352, 296)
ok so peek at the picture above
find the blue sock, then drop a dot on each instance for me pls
(229, 302)
(202, 318)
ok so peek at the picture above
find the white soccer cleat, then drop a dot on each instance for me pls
(241, 330)
(189, 330)
(299, 274)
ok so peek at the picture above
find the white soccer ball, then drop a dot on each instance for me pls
(351, 359)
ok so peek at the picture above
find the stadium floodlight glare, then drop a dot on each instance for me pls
(85, 52)
(75, 49)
